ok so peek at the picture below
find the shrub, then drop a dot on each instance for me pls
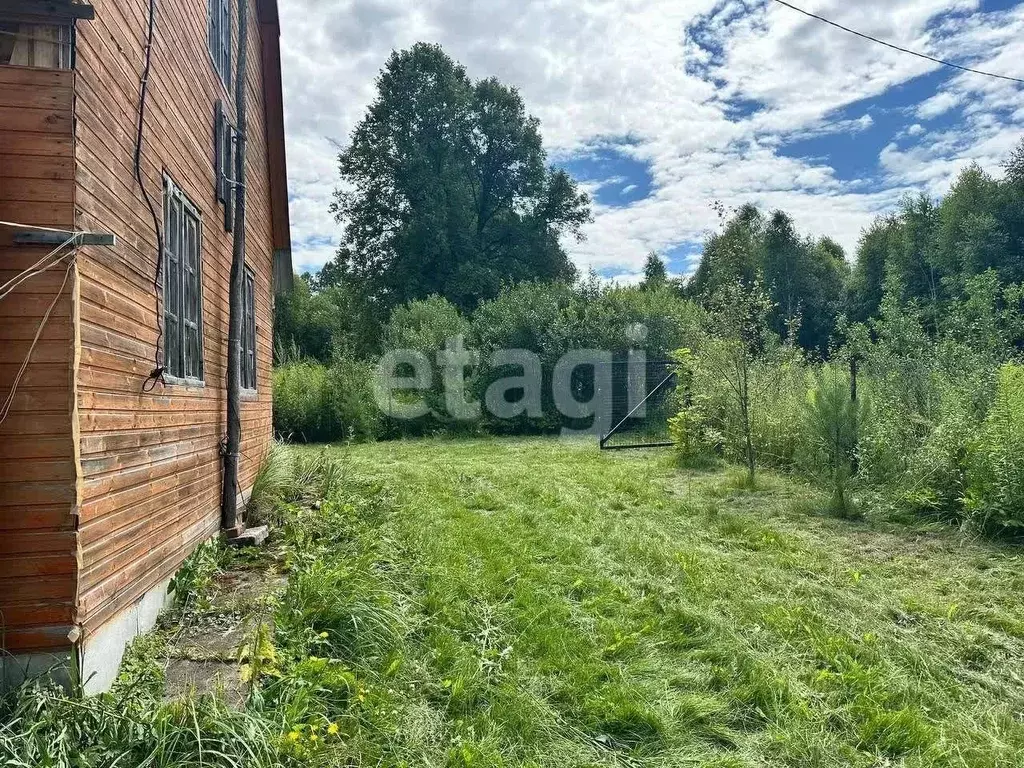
(550, 319)
(935, 480)
(542, 318)
(319, 403)
(426, 326)
(695, 439)
(322, 324)
(781, 380)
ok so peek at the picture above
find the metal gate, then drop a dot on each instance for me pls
(642, 401)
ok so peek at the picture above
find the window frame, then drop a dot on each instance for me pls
(219, 38)
(182, 316)
(64, 42)
(248, 370)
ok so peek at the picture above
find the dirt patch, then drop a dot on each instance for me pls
(202, 656)
(215, 639)
(185, 676)
(241, 591)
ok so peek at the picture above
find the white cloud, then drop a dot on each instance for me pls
(939, 104)
(707, 91)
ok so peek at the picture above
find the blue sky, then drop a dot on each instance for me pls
(661, 107)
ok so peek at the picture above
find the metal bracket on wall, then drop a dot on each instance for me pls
(39, 237)
(67, 8)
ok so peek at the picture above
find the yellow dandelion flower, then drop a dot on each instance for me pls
(313, 737)
(332, 729)
(293, 736)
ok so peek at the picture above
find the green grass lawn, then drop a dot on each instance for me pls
(559, 606)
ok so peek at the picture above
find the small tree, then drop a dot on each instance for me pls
(739, 336)
(832, 419)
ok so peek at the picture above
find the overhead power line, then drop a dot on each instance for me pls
(897, 47)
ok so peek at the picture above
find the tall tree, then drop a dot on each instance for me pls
(655, 273)
(805, 280)
(447, 191)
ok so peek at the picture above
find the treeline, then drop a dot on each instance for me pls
(929, 250)
(328, 351)
(903, 389)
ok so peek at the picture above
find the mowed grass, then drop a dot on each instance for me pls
(560, 606)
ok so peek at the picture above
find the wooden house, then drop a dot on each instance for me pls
(109, 476)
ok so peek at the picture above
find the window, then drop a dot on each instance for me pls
(35, 45)
(248, 330)
(183, 286)
(218, 23)
(224, 135)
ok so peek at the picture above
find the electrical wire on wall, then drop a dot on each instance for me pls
(157, 376)
(47, 262)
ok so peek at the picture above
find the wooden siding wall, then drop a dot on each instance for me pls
(37, 469)
(150, 462)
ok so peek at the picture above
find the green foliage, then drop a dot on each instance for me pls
(996, 495)
(192, 581)
(448, 189)
(736, 351)
(655, 273)
(425, 325)
(318, 475)
(696, 441)
(805, 279)
(935, 249)
(428, 326)
(540, 317)
(46, 728)
(333, 321)
(274, 483)
(832, 421)
(316, 403)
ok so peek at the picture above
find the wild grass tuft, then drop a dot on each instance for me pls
(275, 482)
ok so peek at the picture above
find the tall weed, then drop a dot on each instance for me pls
(318, 403)
(995, 499)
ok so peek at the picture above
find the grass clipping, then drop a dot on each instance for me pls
(540, 603)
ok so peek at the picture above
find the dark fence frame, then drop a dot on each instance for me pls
(660, 380)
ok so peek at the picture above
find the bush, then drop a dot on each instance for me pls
(322, 324)
(319, 403)
(550, 319)
(697, 442)
(543, 318)
(426, 326)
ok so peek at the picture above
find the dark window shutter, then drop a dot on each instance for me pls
(249, 330)
(183, 289)
(229, 187)
(218, 149)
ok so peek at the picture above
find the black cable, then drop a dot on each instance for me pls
(158, 370)
(898, 48)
